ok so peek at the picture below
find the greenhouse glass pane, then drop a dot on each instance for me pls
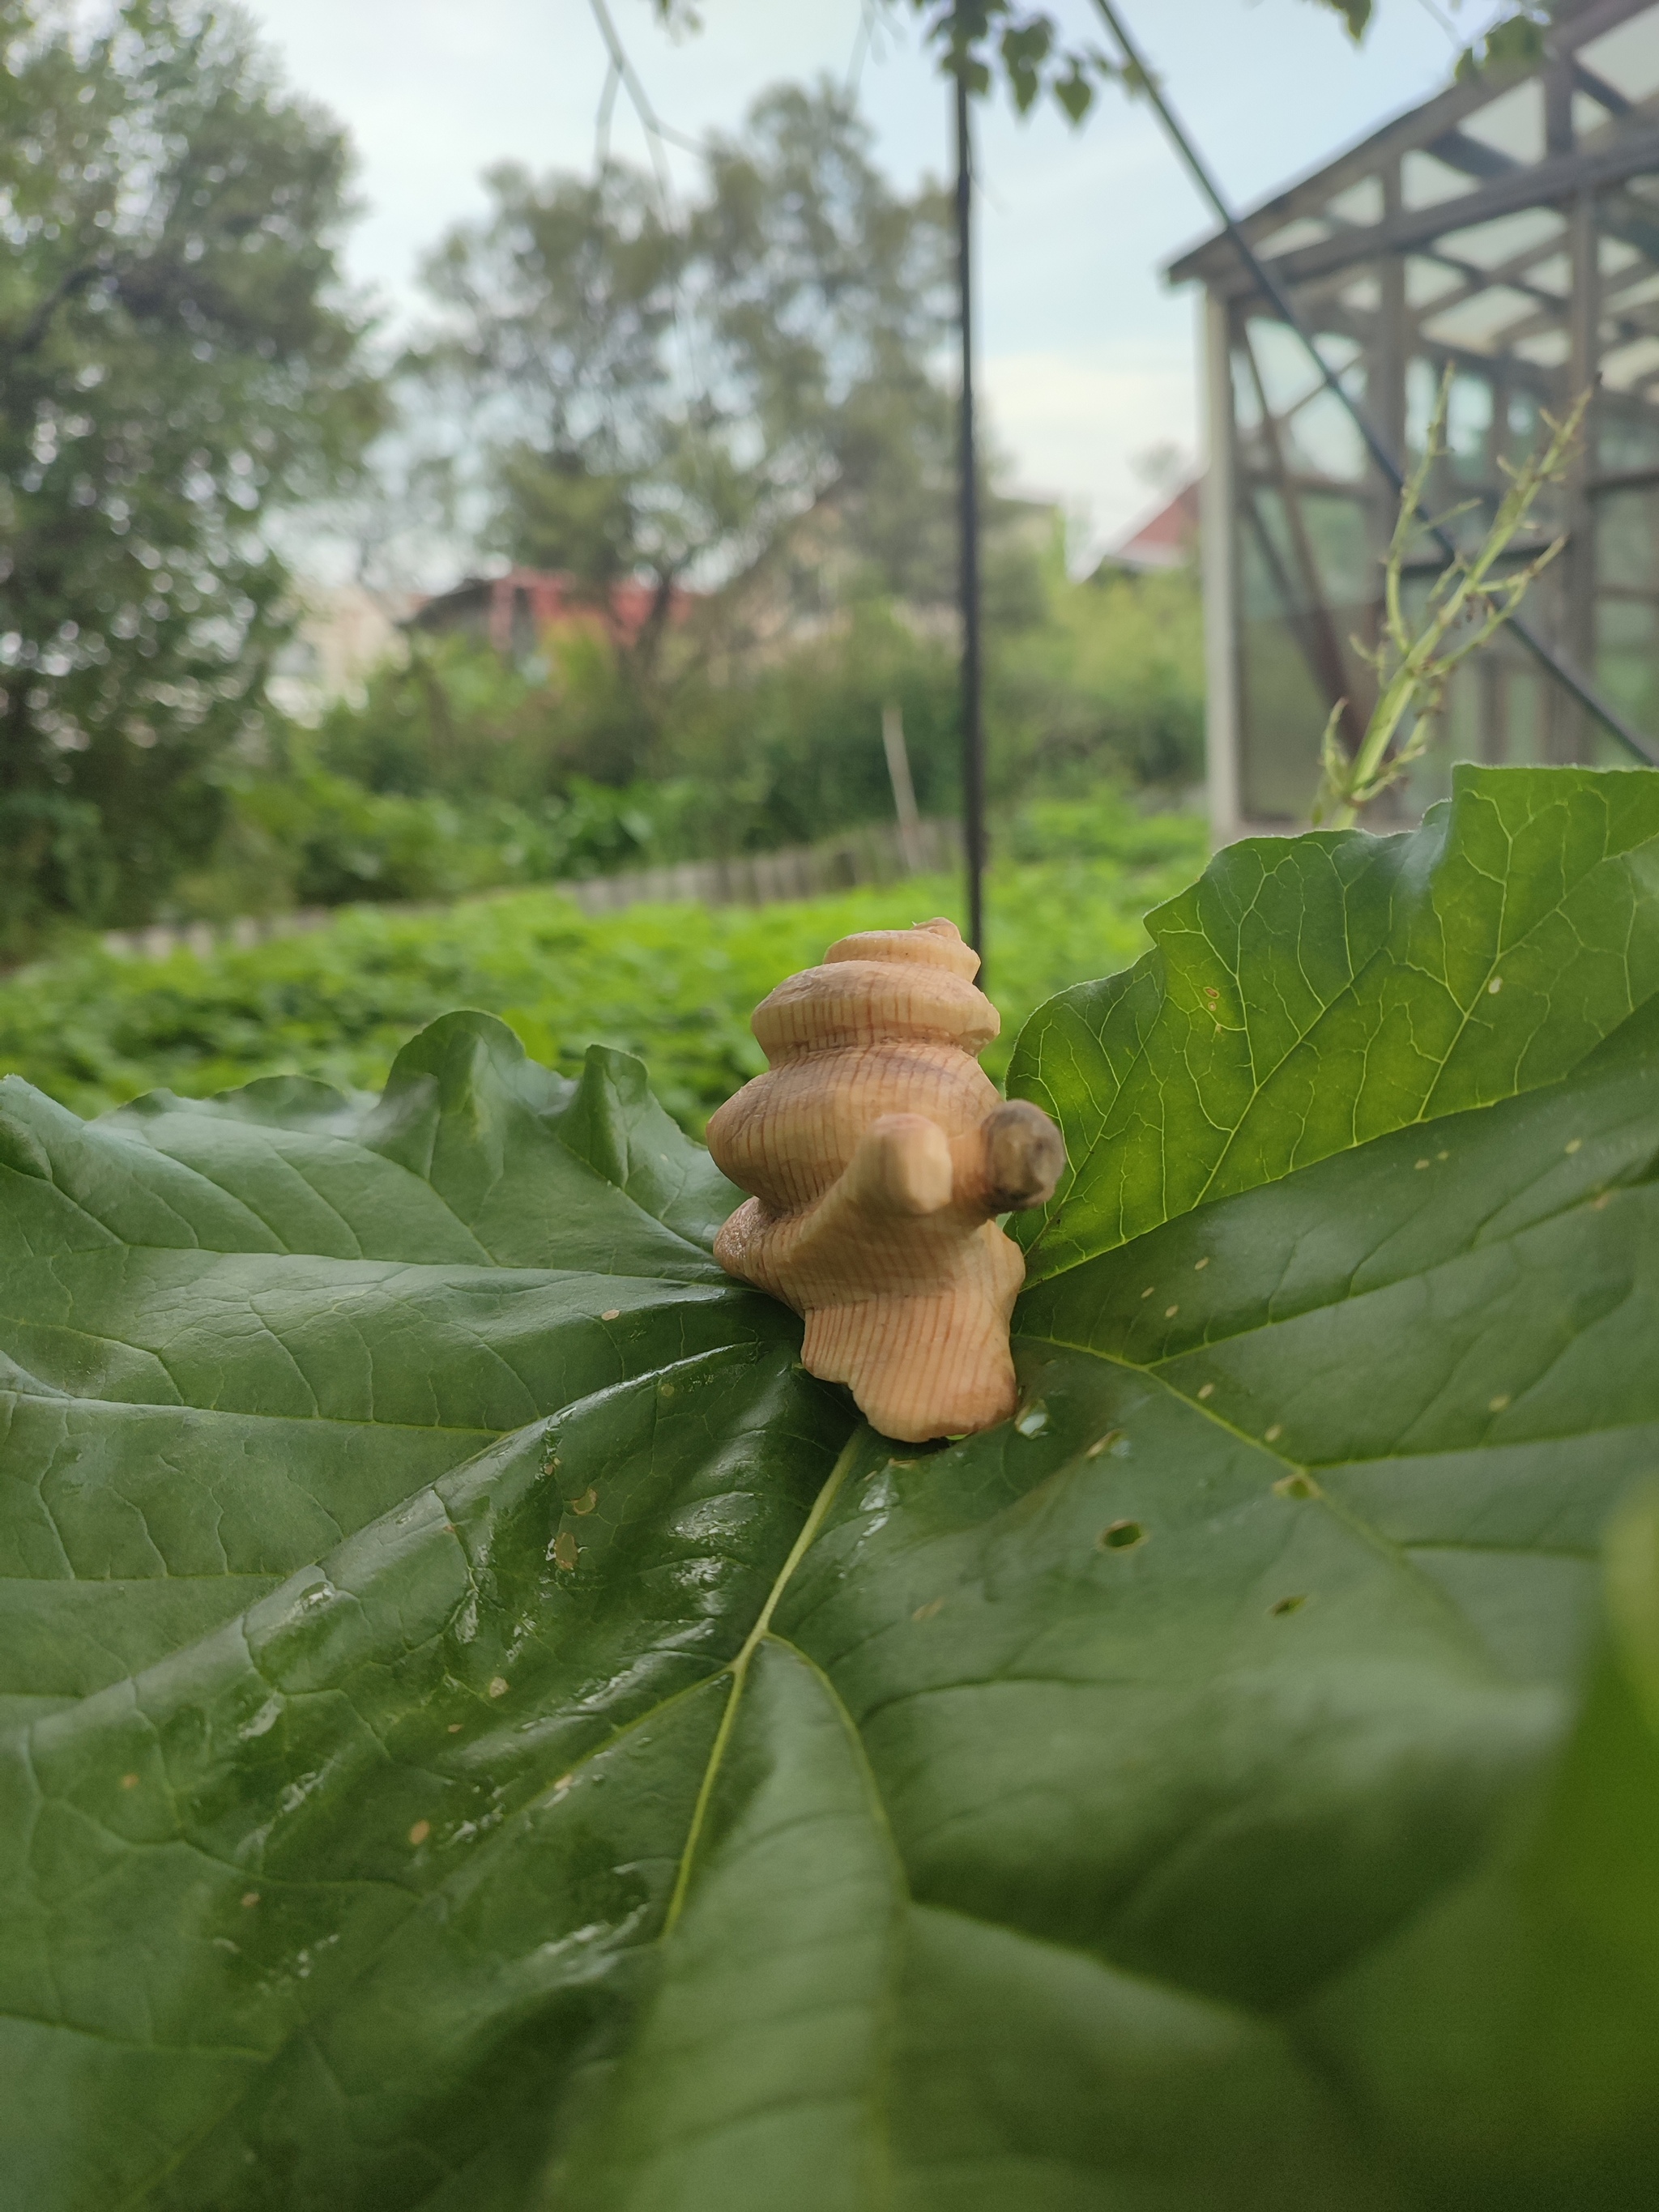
(1513, 123)
(1627, 59)
(1590, 120)
(1468, 426)
(1549, 348)
(1627, 365)
(1552, 274)
(1306, 230)
(1627, 437)
(1427, 280)
(1322, 440)
(1627, 661)
(1482, 324)
(1425, 182)
(1637, 294)
(1628, 540)
(1361, 203)
(1490, 244)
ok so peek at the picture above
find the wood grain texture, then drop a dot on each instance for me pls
(878, 1153)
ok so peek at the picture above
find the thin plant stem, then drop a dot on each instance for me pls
(1415, 666)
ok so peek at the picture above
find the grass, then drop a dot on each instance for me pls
(675, 984)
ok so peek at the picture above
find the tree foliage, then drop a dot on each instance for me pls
(677, 981)
(176, 362)
(668, 397)
(1031, 56)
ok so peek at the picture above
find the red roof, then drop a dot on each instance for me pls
(539, 598)
(1167, 537)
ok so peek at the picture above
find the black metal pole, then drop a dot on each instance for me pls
(973, 726)
(1577, 687)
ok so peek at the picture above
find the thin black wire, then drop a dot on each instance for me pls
(1577, 687)
(973, 729)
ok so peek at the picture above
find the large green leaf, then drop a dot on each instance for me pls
(1310, 993)
(483, 1729)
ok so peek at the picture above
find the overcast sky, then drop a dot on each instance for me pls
(1089, 359)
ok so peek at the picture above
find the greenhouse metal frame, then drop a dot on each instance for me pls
(1507, 231)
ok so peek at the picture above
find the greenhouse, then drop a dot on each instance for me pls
(1506, 231)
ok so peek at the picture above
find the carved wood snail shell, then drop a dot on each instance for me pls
(878, 1153)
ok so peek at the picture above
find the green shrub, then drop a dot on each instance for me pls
(1109, 682)
(339, 1002)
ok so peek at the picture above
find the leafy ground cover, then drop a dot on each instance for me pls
(484, 1729)
(674, 984)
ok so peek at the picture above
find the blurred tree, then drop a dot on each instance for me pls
(677, 399)
(175, 362)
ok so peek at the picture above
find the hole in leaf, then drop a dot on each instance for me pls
(1035, 1419)
(1121, 1536)
(1296, 1485)
(1103, 1444)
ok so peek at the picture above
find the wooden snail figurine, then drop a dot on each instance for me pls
(878, 1153)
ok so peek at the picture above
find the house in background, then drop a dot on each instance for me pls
(1168, 539)
(343, 632)
(1507, 230)
(514, 612)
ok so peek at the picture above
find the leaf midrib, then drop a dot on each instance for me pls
(738, 1667)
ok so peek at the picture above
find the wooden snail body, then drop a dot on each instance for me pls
(878, 1153)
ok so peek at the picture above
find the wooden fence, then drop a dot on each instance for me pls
(873, 855)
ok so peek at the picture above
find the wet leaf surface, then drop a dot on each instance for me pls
(482, 1729)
